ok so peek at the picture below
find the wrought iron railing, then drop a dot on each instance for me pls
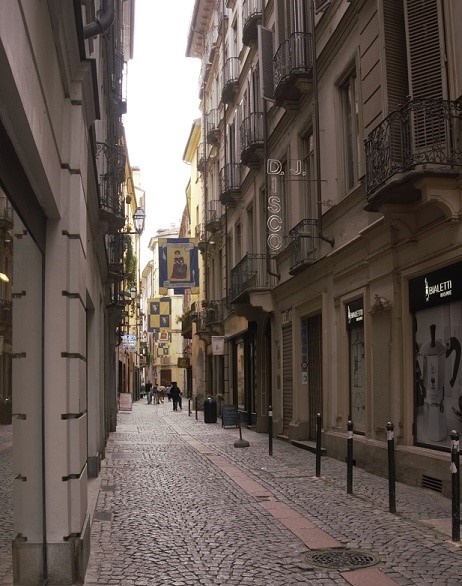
(303, 242)
(213, 214)
(252, 11)
(212, 126)
(201, 157)
(252, 130)
(214, 311)
(230, 78)
(251, 274)
(251, 8)
(6, 210)
(230, 178)
(422, 132)
(294, 56)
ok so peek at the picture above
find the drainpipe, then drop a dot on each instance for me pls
(102, 24)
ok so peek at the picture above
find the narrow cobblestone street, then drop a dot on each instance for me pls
(178, 504)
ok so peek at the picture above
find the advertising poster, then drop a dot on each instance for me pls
(437, 345)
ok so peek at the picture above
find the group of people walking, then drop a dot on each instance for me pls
(156, 395)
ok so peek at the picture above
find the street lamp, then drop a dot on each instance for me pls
(138, 219)
(133, 292)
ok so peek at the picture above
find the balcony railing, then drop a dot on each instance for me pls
(251, 274)
(252, 136)
(200, 158)
(303, 245)
(293, 68)
(112, 161)
(213, 215)
(186, 325)
(212, 126)
(230, 79)
(214, 311)
(425, 132)
(230, 179)
(6, 212)
(252, 11)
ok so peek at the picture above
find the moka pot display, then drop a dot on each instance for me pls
(434, 367)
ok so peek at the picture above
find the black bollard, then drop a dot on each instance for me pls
(270, 429)
(455, 481)
(318, 444)
(196, 407)
(189, 407)
(391, 468)
(350, 458)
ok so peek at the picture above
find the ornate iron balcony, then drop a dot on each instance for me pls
(252, 132)
(303, 245)
(293, 68)
(230, 79)
(214, 311)
(251, 274)
(230, 178)
(252, 11)
(213, 215)
(201, 158)
(423, 137)
(212, 126)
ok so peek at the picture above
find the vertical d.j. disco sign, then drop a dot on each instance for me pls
(275, 170)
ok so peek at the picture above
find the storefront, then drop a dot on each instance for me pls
(435, 301)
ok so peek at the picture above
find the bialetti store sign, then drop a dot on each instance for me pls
(441, 286)
(354, 313)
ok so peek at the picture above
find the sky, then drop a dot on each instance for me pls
(163, 102)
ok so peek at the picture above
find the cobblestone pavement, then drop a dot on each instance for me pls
(178, 504)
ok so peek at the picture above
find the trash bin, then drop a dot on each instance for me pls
(210, 410)
(6, 411)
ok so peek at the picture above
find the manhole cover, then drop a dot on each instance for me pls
(342, 559)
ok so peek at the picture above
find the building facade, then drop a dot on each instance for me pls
(163, 309)
(62, 172)
(331, 189)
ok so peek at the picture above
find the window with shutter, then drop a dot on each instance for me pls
(265, 55)
(424, 48)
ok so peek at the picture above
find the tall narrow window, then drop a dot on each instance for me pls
(237, 242)
(351, 139)
(250, 229)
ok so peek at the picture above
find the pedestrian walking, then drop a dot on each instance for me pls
(167, 392)
(149, 392)
(175, 394)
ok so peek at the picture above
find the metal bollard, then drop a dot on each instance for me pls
(350, 458)
(196, 407)
(270, 429)
(391, 468)
(455, 482)
(318, 444)
(189, 407)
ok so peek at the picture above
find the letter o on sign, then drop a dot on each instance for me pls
(274, 241)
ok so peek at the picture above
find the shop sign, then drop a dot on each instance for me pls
(435, 288)
(354, 313)
(129, 342)
(218, 345)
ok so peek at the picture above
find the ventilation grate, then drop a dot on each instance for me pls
(434, 484)
(341, 559)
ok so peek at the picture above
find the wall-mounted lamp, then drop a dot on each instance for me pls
(139, 218)
(133, 292)
(4, 278)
